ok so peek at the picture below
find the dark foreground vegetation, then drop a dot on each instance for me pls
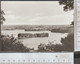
(66, 46)
(9, 43)
(13, 45)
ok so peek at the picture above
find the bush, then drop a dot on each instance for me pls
(50, 47)
(68, 43)
(66, 46)
(9, 43)
(41, 47)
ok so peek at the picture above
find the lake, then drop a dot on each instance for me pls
(34, 42)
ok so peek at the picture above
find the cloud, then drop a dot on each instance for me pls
(8, 12)
(41, 19)
(60, 19)
(12, 17)
(45, 13)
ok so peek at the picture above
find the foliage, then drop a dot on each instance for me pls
(72, 23)
(2, 17)
(9, 43)
(68, 42)
(68, 4)
(66, 46)
(50, 47)
(42, 47)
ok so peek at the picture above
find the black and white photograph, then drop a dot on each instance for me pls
(37, 26)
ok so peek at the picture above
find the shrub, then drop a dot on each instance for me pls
(66, 46)
(68, 43)
(9, 43)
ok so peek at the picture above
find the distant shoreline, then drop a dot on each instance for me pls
(52, 28)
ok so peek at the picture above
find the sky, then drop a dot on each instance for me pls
(35, 13)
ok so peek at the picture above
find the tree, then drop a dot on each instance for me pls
(72, 23)
(2, 17)
(68, 43)
(1, 22)
(41, 47)
(66, 46)
(68, 4)
(50, 47)
(58, 48)
(10, 43)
